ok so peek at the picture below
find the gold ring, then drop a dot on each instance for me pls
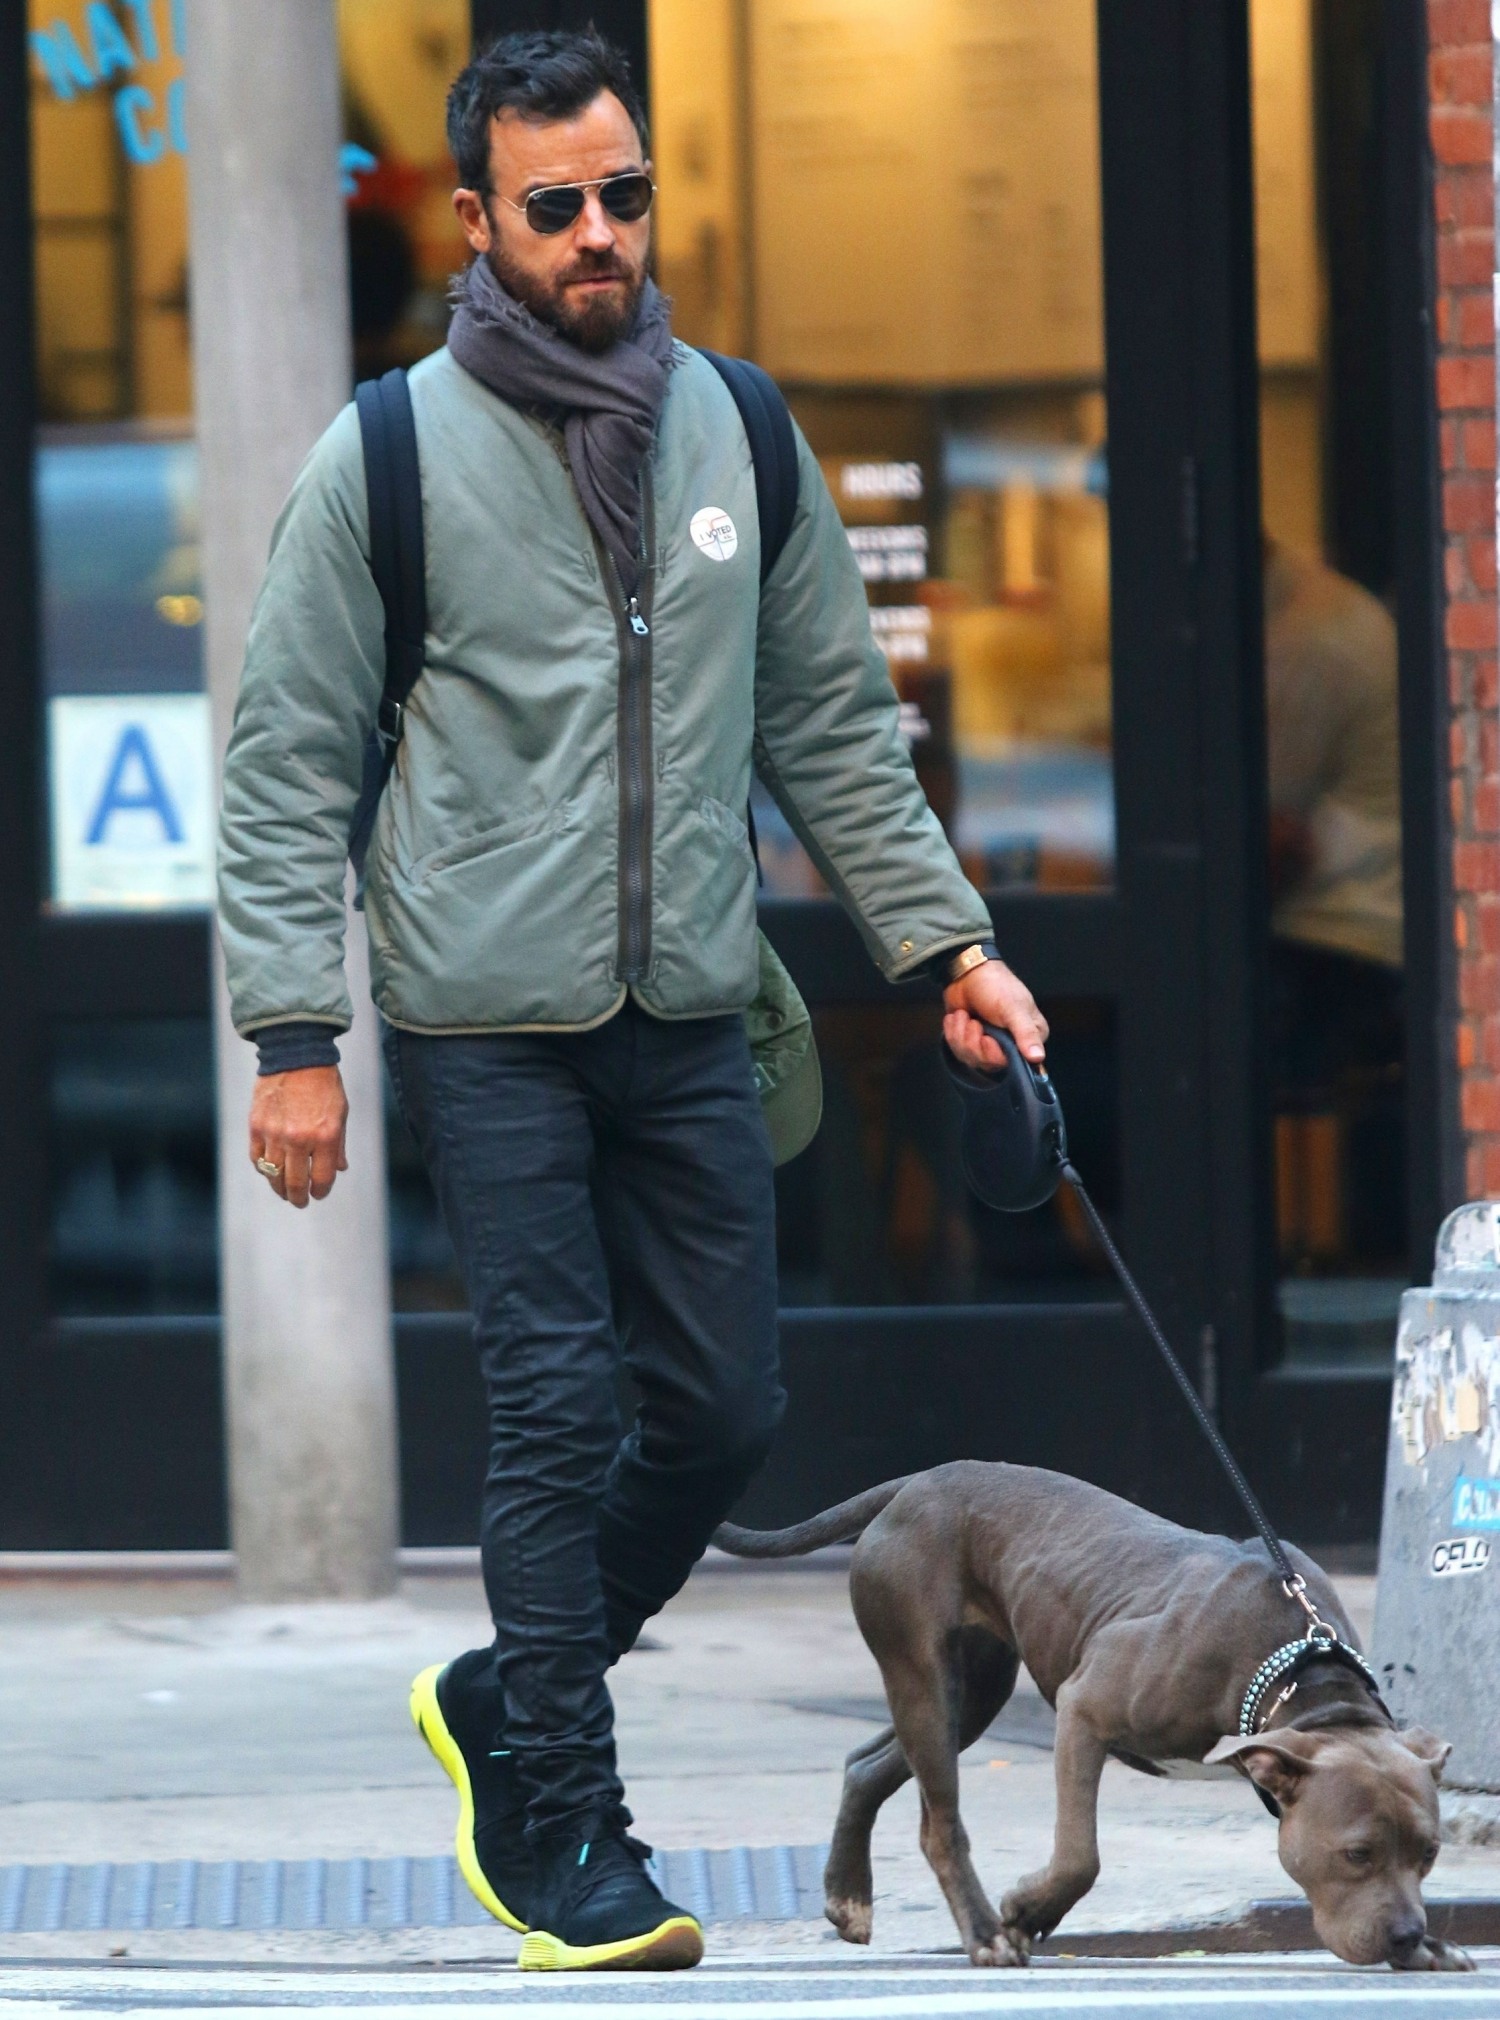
(271, 1170)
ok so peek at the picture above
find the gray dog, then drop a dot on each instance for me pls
(1146, 1638)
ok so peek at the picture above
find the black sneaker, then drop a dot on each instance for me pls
(457, 1711)
(596, 1908)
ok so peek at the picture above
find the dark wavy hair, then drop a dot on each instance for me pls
(540, 73)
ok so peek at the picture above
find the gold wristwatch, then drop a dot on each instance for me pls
(953, 967)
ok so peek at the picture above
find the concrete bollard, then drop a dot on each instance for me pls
(1437, 1610)
(310, 1397)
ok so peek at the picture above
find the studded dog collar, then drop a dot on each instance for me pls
(1287, 1663)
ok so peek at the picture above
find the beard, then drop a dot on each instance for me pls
(595, 322)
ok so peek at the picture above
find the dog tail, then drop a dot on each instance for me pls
(835, 1525)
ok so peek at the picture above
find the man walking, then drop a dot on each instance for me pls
(561, 907)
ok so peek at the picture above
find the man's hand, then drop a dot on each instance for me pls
(297, 1123)
(991, 994)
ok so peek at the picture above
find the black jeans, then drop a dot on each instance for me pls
(609, 1195)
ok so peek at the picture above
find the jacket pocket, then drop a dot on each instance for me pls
(725, 821)
(558, 820)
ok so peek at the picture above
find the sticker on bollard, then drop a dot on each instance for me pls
(1476, 1504)
(1437, 1608)
(1459, 1554)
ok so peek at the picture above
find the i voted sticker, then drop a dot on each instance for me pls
(713, 533)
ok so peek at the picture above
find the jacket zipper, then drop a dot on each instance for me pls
(634, 742)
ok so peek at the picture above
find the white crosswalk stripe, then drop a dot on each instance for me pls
(886, 1989)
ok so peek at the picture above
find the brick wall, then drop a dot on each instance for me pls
(1462, 84)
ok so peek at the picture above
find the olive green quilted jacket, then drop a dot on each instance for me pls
(566, 817)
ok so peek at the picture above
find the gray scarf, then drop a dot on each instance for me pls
(609, 400)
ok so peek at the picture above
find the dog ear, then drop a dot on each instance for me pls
(1431, 1751)
(1278, 1763)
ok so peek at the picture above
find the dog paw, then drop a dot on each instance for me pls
(854, 1920)
(1023, 1916)
(1002, 1952)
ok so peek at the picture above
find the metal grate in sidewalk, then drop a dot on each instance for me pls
(770, 1883)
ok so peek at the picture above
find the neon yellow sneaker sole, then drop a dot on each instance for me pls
(427, 1717)
(674, 1945)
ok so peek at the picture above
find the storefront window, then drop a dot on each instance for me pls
(130, 801)
(1337, 1044)
(896, 211)
(129, 777)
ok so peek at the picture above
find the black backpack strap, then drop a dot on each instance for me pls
(398, 562)
(773, 450)
(767, 422)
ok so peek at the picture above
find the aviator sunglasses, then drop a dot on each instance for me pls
(626, 197)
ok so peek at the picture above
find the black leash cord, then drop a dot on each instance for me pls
(1290, 1578)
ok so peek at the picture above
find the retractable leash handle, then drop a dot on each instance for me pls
(1015, 1142)
(1015, 1154)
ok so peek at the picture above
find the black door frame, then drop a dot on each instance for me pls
(1177, 945)
(1189, 708)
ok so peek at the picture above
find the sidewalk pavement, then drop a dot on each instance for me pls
(160, 1721)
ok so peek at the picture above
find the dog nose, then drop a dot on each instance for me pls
(1404, 1936)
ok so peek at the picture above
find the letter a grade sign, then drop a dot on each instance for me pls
(132, 801)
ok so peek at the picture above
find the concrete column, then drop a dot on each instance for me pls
(309, 1386)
